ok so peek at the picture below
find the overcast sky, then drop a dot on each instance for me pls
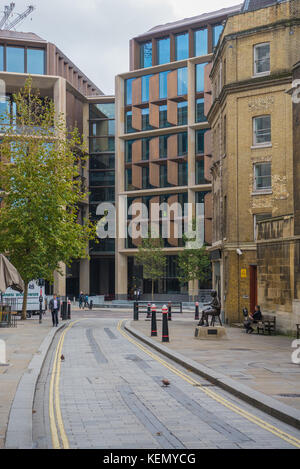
(95, 34)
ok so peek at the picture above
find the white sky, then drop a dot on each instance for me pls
(95, 34)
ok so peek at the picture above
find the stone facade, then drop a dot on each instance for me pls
(239, 96)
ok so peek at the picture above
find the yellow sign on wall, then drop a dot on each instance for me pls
(243, 273)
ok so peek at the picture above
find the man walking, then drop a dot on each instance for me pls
(54, 306)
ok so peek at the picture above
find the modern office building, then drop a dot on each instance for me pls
(24, 54)
(100, 112)
(163, 140)
(253, 167)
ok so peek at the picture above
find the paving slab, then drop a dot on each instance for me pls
(262, 363)
(22, 344)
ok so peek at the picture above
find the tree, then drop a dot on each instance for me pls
(193, 262)
(150, 255)
(41, 189)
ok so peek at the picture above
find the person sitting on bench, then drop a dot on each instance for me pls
(252, 319)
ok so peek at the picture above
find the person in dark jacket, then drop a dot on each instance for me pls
(81, 300)
(252, 319)
(54, 306)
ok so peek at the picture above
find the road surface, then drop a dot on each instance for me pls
(108, 393)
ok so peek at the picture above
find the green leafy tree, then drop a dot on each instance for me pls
(193, 262)
(41, 188)
(150, 255)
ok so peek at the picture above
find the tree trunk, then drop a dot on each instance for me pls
(24, 306)
(152, 290)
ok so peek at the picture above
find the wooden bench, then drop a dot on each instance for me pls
(267, 324)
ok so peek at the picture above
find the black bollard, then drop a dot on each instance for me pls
(69, 309)
(165, 327)
(64, 310)
(41, 309)
(153, 321)
(148, 311)
(135, 311)
(169, 311)
(197, 310)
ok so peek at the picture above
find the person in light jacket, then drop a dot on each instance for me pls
(54, 306)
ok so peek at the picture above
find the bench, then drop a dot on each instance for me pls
(267, 324)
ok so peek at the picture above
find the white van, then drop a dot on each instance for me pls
(33, 297)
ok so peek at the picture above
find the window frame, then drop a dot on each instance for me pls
(255, 72)
(254, 132)
(266, 188)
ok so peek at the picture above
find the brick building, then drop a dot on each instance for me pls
(252, 165)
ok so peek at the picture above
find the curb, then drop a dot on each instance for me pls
(257, 399)
(19, 427)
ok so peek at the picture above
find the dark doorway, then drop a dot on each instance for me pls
(253, 287)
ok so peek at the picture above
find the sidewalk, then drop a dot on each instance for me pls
(22, 343)
(262, 363)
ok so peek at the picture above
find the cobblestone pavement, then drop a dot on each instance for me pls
(111, 396)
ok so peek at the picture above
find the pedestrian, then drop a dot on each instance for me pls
(81, 300)
(54, 306)
(86, 301)
(253, 318)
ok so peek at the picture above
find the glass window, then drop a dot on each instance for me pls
(1, 58)
(146, 54)
(182, 81)
(182, 46)
(128, 179)
(102, 178)
(163, 146)
(182, 143)
(217, 31)
(145, 178)
(262, 173)
(128, 122)
(182, 113)
(106, 194)
(98, 145)
(261, 130)
(182, 173)
(36, 61)
(200, 179)
(102, 127)
(200, 41)
(102, 161)
(261, 59)
(163, 116)
(5, 112)
(163, 85)
(163, 180)
(102, 111)
(145, 88)
(200, 141)
(145, 120)
(145, 148)
(128, 91)
(200, 116)
(15, 59)
(128, 151)
(163, 51)
(200, 77)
